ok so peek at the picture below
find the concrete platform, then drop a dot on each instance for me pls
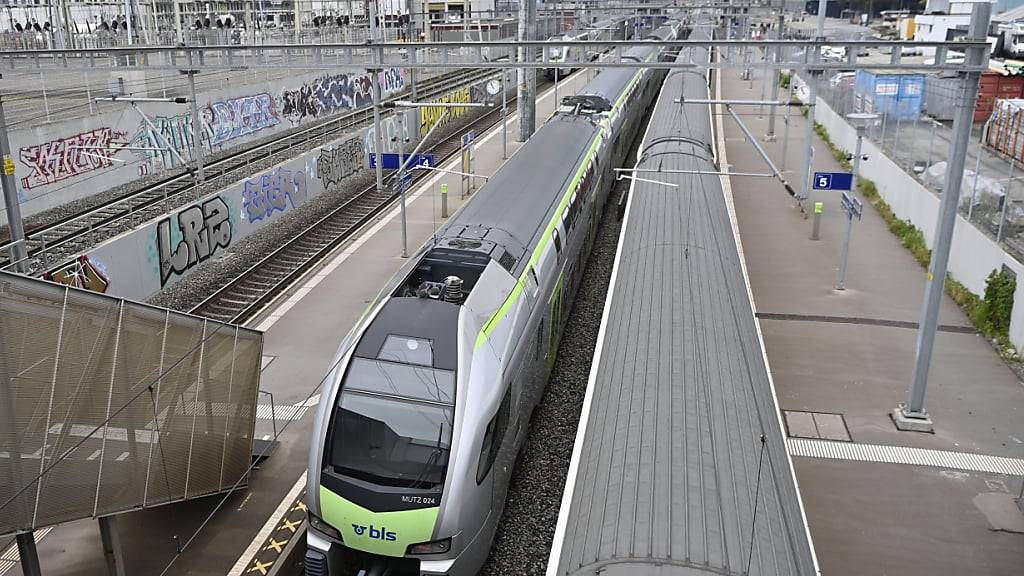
(303, 331)
(851, 353)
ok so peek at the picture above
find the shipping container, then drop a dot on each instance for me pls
(899, 96)
(940, 94)
(1004, 131)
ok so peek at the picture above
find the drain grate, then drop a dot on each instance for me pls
(903, 455)
(816, 425)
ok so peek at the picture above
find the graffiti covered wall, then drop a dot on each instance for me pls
(61, 162)
(140, 263)
(63, 158)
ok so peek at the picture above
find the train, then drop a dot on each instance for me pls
(428, 403)
(611, 29)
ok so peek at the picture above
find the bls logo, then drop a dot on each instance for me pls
(375, 533)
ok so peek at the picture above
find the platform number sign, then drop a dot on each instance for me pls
(833, 181)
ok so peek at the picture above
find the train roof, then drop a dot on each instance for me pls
(514, 206)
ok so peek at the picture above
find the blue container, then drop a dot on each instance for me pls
(898, 96)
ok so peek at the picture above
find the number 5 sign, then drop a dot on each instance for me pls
(833, 181)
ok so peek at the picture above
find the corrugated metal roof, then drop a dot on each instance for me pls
(672, 477)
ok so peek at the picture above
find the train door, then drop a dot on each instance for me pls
(555, 321)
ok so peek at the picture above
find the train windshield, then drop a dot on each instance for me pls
(556, 54)
(394, 424)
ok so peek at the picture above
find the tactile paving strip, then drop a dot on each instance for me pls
(905, 455)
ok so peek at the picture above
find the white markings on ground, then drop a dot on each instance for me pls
(903, 455)
(261, 536)
(11, 558)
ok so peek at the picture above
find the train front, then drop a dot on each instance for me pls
(392, 479)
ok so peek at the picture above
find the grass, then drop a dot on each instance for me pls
(990, 314)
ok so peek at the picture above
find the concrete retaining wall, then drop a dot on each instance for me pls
(973, 256)
(140, 263)
(64, 161)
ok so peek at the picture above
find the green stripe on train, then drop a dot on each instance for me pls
(498, 316)
(384, 533)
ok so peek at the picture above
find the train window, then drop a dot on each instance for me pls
(407, 350)
(493, 437)
(558, 241)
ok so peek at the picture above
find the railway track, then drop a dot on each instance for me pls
(58, 241)
(249, 292)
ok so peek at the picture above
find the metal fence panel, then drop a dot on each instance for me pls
(108, 405)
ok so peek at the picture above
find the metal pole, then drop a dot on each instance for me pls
(401, 182)
(912, 416)
(812, 89)
(298, 20)
(504, 116)
(378, 143)
(770, 135)
(197, 132)
(19, 252)
(931, 143)
(177, 22)
(527, 76)
(841, 283)
(977, 169)
(28, 553)
(112, 550)
(785, 128)
(128, 19)
(1006, 200)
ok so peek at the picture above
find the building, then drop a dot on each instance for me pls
(943, 20)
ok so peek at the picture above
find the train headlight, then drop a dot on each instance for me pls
(324, 528)
(435, 547)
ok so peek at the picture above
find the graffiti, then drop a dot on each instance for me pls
(429, 116)
(391, 129)
(221, 122)
(201, 228)
(272, 192)
(335, 164)
(173, 131)
(238, 117)
(331, 93)
(82, 273)
(63, 158)
(391, 79)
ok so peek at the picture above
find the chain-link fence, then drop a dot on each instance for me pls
(108, 405)
(917, 137)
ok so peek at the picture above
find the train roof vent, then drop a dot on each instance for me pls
(507, 261)
(585, 104)
(464, 243)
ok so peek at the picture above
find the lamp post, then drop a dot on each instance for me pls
(853, 205)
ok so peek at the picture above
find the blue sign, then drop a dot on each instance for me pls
(405, 181)
(468, 137)
(833, 181)
(391, 161)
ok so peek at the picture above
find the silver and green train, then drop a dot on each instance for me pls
(562, 57)
(420, 423)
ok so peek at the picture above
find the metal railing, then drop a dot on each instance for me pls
(992, 193)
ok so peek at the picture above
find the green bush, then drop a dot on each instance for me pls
(994, 312)
(784, 79)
